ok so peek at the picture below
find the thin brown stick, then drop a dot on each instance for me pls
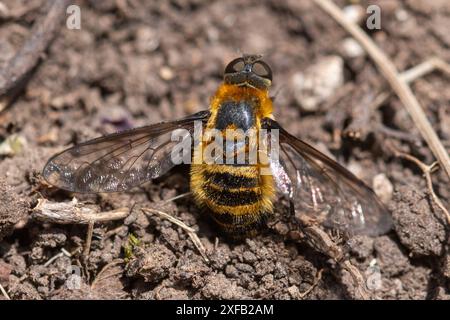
(183, 195)
(88, 242)
(115, 231)
(358, 128)
(3, 291)
(427, 170)
(74, 213)
(191, 232)
(323, 243)
(311, 288)
(63, 252)
(43, 32)
(272, 293)
(398, 84)
(413, 74)
(397, 134)
(424, 68)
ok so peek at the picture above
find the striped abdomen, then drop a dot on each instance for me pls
(238, 197)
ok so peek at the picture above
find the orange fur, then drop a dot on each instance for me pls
(236, 93)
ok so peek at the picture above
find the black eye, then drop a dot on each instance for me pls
(262, 69)
(235, 66)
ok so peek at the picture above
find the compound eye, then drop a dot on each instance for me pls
(237, 65)
(262, 69)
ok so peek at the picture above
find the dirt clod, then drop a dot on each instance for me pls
(220, 287)
(416, 223)
(12, 209)
(153, 263)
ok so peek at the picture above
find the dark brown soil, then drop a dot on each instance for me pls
(138, 62)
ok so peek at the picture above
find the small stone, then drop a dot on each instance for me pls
(401, 15)
(294, 292)
(318, 82)
(355, 168)
(147, 40)
(354, 13)
(166, 73)
(383, 187)
(268, 280)
(351, 48)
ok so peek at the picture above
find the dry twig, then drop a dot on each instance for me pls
(398, 84)
(74, 213)
(311, 288)
(183, 195)
(88, 241)
(191, 232)
(3, 291)
(427, 170)
(357, 129)
(63, 252)
(413, 74)
(322, 242)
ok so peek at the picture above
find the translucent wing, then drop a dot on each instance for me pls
(320, 187)
(119, 161)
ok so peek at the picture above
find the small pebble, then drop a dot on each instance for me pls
(351, 48)
(354, 13)
(401, 15)
(166, 73)
(383, 187)
(318, 82)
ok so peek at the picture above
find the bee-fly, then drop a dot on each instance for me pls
(238, 195)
